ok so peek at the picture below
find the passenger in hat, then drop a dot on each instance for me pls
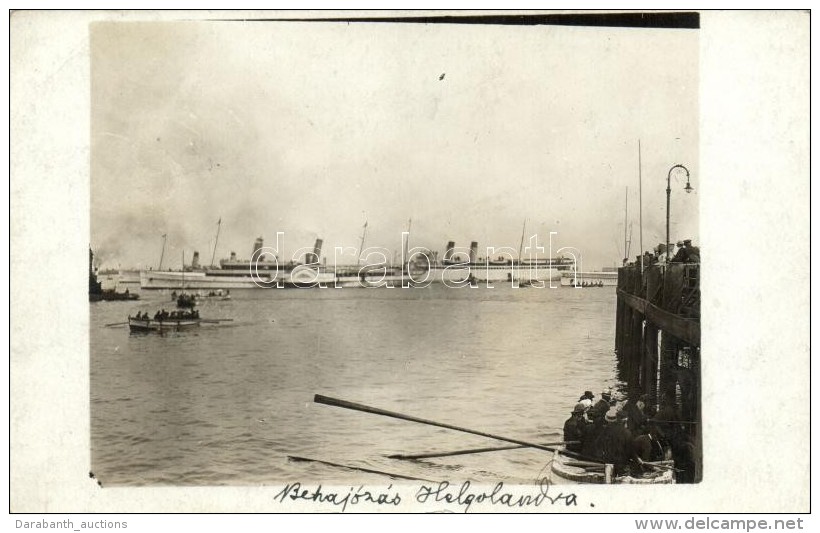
(576, 429)
(678, 256)
(687, 253)
(587, 399)
(599, 409)
(615, 445)
(597, 415)
(692, 252)
(634, 408)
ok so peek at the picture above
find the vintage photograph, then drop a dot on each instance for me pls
(395, 251)
(272, 263)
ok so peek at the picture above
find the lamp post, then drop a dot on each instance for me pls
(688, 189)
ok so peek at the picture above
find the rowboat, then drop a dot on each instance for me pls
(566, 470)
(141, 325)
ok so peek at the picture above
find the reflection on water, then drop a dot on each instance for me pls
(227, 404)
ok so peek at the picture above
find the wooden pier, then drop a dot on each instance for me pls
(657, 342)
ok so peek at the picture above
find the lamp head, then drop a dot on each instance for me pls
(688, 187)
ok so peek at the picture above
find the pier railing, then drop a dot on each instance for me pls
(675, 287)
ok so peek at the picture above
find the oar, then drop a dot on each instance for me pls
(215, 320)
(458, 452)
(116, 324)
(368, 470)
(584, 464)
(465, 452)
(660, 466)
(656, 421)
(318, 398)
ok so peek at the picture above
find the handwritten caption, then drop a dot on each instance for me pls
(444, 496)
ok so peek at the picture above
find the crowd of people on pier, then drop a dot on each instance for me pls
(166, 315)
(621, 433)
(684, 252)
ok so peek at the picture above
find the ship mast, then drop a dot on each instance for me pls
(218, 226)
(183, 270)
(640, 204)
(407, 246)
(629, 241)
(161, 255)
(626, 218)
(361, 244)
(520, 251)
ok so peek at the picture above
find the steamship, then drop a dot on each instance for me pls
(257, 272)
(455, 269)
(458, 266)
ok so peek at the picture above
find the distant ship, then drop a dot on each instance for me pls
(261, 272)
(236, 273)
(96, 292)
(119, 280)
(456, 267)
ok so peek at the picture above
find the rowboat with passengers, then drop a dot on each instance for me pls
(148, 325)
(568, 470)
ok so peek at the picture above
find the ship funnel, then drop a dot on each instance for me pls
(233, 256)
(312, 258)
(448, 252)
(257, 247)
(195, 260)
(473, 251)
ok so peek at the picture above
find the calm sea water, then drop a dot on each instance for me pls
(227, 405)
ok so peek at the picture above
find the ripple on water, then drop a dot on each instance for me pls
(227, 405)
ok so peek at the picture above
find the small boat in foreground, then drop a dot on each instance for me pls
(148, 325)
(218, 294)
(566, 470)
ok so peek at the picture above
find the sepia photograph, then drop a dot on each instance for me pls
(399, 261)
(441, 220)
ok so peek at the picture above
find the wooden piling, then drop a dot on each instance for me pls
(649, 384)
(626, 358)
(637, 349)
(668, 365)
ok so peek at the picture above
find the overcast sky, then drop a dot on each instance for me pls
(313, 128)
